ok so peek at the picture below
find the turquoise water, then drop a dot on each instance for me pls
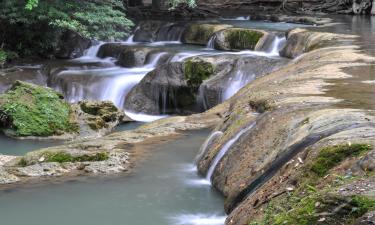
(158, 193)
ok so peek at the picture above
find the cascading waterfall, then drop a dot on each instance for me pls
(240, 79)
(93, 50)
(224, 150)
(211, 42)
(208, 142)
(277, 45)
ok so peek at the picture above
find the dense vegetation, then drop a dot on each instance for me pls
(33, 29)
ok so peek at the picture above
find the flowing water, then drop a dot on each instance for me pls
(156, 194)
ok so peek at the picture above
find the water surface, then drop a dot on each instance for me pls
(156, 194)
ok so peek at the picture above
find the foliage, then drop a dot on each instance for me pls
(329, 157)
(175, 3)
(34, 29)
(36, 111)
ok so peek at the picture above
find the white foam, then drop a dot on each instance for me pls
(143, 117)
(198, 219)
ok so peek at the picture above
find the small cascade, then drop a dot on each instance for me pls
(211, 42)
(130, 40)
(92, 52)
(224, 150)
(213, 136)
(170, 32)
(201, 99)
(277, 44)
(155, 59)
(236, 83)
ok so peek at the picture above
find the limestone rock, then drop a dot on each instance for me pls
(200, 34)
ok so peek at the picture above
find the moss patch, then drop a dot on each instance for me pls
(239, 39)
(62, 157)
(31, 110)
(196, 71)
(330, 157)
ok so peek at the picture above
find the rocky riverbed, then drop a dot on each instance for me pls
(289, 151)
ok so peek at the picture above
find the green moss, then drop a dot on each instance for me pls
(362, 205)
(302, 211)
(330, 157)
(35, 111)
(196, 71)
(62, 157)
(242, 38)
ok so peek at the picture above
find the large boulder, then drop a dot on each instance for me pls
(300, 41)
(170, 88)
(71, 45)
(196, 84)
(151, 30)
(200, 34)
(130, 56)
(30, 110)
(240, 39)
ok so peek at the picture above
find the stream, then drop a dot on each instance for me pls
(165, 189)
(156, 194)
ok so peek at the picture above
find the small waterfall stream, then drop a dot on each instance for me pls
(224, 150)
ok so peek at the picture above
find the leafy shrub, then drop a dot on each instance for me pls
(33, 29)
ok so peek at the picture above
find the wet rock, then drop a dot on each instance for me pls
(39, 170)
(239, 39)
(173, 87)
(151, 30)
(31, 74)
(200, 34)
(97, 118)
(7, 178)
(367, 163)
(71, 45)
(117, 162)
(300, 41)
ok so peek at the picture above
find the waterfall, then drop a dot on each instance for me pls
(277, 45)
(92, 52)
(211, 42)
(224, 150)
(236, 83)
(154, 59)
(130, 39)
(213, 136)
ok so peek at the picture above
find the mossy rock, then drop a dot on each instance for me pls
(196, 71)
(238, 39)
(200, 34)
(100, 113)
(31, 110)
